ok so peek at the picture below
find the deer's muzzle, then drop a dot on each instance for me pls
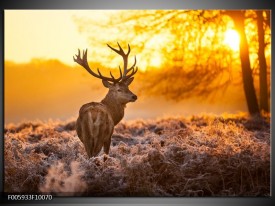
(134, 98)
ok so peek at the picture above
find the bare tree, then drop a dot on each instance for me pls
(248, 84)
(262, 61)
(201, 64)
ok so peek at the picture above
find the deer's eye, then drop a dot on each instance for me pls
(119, 90)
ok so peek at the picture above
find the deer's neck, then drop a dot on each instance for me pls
(115, 108)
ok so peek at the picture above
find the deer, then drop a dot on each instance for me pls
(96, 120)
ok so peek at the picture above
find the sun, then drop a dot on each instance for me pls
(232, 39)
(156, 61)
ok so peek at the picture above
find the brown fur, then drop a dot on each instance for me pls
(96, 121)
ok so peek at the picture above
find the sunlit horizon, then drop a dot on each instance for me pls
(31, 34)
(174, 60)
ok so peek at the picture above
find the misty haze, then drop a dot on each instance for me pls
(199, 126)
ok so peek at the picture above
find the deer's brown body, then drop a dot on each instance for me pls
(94, 128)
(96, 121)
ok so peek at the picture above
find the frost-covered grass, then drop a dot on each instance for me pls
(207, 155)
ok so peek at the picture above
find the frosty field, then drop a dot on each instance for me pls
(203, 155)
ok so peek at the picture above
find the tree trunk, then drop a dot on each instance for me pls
(262, 63)
(249, 89)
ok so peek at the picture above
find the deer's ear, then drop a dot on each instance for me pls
(106, 83)
(129, 81)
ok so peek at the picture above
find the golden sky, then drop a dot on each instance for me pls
(47, 34)
(55, 35)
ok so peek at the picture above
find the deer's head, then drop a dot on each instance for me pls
(121, 91)
(118, 87)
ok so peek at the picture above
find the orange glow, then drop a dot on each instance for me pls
(40, 45)
(232, 39)
(46, 34)
(156, 61)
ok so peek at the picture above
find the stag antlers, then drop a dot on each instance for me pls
(96, 120)
(123, 76)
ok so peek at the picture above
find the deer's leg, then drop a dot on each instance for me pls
(90, 133)
(109, 132)
(89, 138)
(82, 129)
(99, 132)
(107, 146)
